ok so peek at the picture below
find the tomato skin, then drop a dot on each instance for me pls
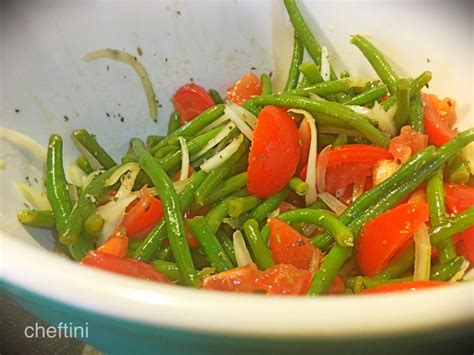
(190, 100)
(128, 267)
(142, 216)
(290, 247)
(285, 279)
(239, 279)
(245, 88)
(304, 135)
(178, 174)
(385, 235)
(409, 142)
(404, 286)
(274, 153)
(115, 245)
(337, 286)
(437, 128)
(192, 241)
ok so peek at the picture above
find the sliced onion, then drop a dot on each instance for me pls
(223, 155)
(274, 213)
(73, 195)
(180, 185)
(119, 172)
(239, 122)
(184, 159)
(24, 141)
(126, 58)
(223, 119)
(241, 252)
(245, 114)
(325, 66)
(127, 182)
(333, 203)
(378, 114)
(461, 272)
(216, 140)
(311, 195)
(36, 198)
(358, 189)
(468, 153)
(469, 276)
(321, 168)
(75, 175)
(422, 254)
(94, 163)
(315, 97)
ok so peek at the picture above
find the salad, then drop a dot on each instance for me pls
(334, 185)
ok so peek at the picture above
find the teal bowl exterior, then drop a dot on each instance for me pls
(115, 335)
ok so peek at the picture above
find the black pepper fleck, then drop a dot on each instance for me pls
(122, 119)
(270, 74)
(166, 59)
(139, 51)
(26, 205)
(36, 180)
(178, 12)
(108, 68)
(17, 110)
(428, 60)
(66, 118)
(160, 105)
(125, 77)
(191, 79)
(253, 68)
(107, 114)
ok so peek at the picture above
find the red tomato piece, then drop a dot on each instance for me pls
(192, 241)
(407, 144)
(346, 174)
(304, 135)
(178, 174)
(240, 279)
(274, 152)
(285, 279)
(142, 216)
(385, 235)
(128, 267)
(357, 153)
(115, 245)
(437, 128)
(286, 206)
(245, 88)
(405, 286)
(445, 108)
(464, 242)
(190, 100)
(290, 247)
(337, 286)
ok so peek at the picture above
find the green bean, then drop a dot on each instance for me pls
(266, 84)
(169, 269)
(165, 151)
(174, 122)
(134, 244)
(462, 221)
(173, 213)
(298, 186)
(240, 205)
(437, 208)
(229, 186)
(93, 224)
(370, 282)
(344, 74)
(445, 271)
(216, 176)
(323, 89)
(341, 139)
(164, 254)
(87, 141)
(339, 111)
(216, 97)
(193, 127)
(457, 170)
(378, 62)
(240, 166)
(270, 204)
(219, 212)
(304, 33)
(296, 59)
(84, 165)
(368, 96)
(325, 139)
(416, 85)
(311, 73)
(403, 103)
(259, 248)
(415, 112)
(210, 244)
(399, 264)
(319, 205)
(155, 237)
(228, 245)
(37, 219)
(153, 140)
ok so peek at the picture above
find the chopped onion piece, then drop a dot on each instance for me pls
(25, 142)
(37, 198)
(359, 81)
(422, 254)
(468, 153)
(461, 272)
(126, 58)
(73, 195)
(223, 155)
(224, 118)
(241, 252)
(311, 195)
(333, 203)
(325, 66)
(358, 189)
(246, 115)
(239, 122)
(180, 185)
(128, 181)
(378, 114)
(321, 169)
(119, 172)
(469, 276)
(216, 140)
(274, 213)
(75, 175)
(184, 159)
(233, 222)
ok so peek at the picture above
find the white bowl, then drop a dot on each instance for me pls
(213, 42)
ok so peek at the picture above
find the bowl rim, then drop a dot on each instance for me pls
(64, 281)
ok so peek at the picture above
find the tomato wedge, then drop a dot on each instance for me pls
(281, 279)
(115, 245)
(405, 286)
(290, 247)
(190, 100)
(128, 267)
(337, 286)
(407, 144)
(304, 135)
(245, 88)
(385, 235)
(274, 152)
(142, 216)
(437, 127)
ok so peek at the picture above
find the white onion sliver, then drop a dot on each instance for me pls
(184, 159)
(325, 66)
(180, 185)
(119, 172)
(241, 252)
(245, 114)
(469, 276)
(74, 174)
(239, 122)
(90, 158)
(311, 195)
(224, 118)
(384, 118)
(461, 272)
(127, 181)
(358, 189)
(126, 58)
(216, 140)
(321, 168)
(333, 203)
(223, 155)
(316, 97)
(422, 254)
(36, 198)
(24, 141)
